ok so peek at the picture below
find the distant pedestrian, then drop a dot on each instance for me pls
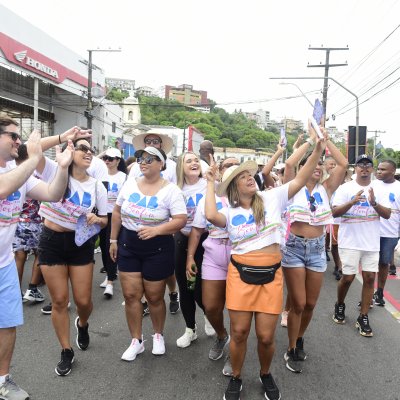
(206, 149)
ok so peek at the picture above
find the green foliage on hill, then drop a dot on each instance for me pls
(222, 128)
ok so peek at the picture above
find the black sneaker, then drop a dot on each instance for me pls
(65, 365)
(392, 270)
(300, 349)
(82, 335)
(378, 298)
(146, 310)
(233, 390)
(174, 305)
(270, 388)
(327, 256)
(293, 362)
(338, 274)
(47, 309)
(363, 326)
(339, 316)
(103, 270)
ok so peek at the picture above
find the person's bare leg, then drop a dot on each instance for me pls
(7, 344)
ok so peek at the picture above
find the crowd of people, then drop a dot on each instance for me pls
(225, 234)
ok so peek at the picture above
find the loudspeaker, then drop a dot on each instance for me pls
(351, 142)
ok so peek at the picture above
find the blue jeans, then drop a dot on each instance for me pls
(304, 253)
(386, 251)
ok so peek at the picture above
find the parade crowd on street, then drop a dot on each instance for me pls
(218, 234)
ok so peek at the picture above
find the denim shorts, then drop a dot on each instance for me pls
(154, 257)
(59, 248)
(386, 251)
(303, 252)
(10, 297)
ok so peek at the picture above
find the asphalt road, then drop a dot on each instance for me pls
(340, 365)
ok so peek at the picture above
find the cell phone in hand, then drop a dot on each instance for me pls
(283, 140)
(317, 116)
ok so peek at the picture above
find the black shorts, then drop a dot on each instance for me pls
(154, 258)
(59, 248)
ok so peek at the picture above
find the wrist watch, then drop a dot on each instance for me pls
(374, 203)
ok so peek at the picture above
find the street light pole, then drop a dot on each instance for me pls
(353, 94)
(303, 94)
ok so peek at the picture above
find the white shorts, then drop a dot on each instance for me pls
(351, 259)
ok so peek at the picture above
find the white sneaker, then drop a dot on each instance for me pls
(109, 291)
(210, 331)
(133, 350)
(104, 283)
(158, 344)
(34, 295)
(284, 317)
(187, 338)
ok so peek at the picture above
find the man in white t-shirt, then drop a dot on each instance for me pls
(359, 205)
(15, 183)
(389, 232)
(159, 141)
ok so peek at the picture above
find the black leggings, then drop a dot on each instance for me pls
(109, 265)
(188, 298)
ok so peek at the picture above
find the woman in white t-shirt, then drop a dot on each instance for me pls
(115, 180)
(254, 282)
(61, 259)
(303, 256)
(193, 186)
(147, 212)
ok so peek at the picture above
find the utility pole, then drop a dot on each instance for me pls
(89, 106)
(326, 66)
(376, 132)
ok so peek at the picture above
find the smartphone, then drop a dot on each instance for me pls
(317, 116)
(283, 141)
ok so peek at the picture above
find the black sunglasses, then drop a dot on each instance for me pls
(14, 136)
(312, 204)
(84, 148)
(108, 158)
(146, 160)
(152, 141)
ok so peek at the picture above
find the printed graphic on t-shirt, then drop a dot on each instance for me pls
(10, 209)
(141, 209)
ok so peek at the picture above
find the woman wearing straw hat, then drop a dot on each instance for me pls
(255, 281)
(159, 141)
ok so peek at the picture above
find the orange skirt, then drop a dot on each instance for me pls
(241, 296)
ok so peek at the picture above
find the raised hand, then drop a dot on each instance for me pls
(33, 145)
(76, 133)
(212, 171)
(311, 132)
(64, 159)
(371, 197)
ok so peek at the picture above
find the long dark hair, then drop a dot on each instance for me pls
(122, 166)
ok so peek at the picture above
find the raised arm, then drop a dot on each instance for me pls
(211, 212)
(298, 154)
(54, 190)
(73, 134)
(338, 173)
(306, 171)
(271, 162)
(11, 181)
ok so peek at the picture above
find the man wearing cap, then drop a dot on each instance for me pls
(359, 204)
(159, 141)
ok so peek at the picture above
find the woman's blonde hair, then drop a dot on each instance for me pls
(257, 204)
(180, 175)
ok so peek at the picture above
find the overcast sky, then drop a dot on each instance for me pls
(231, 48)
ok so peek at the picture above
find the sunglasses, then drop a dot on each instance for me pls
(364, 165)
(152, 141)
(14, 136)
(84, 148)
(108, 158)
(146, 160)
(312, 204)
